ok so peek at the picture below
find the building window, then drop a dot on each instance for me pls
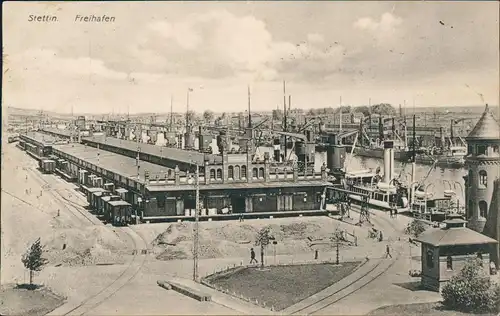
(230, 172)
(495, 149)
(261, 173)
(219, 174)
(470, 150)
(160, 201)
(483, 179)
(430, 259)
(254, 173)
(243, 171)
(481, 150)
(449, 263)
(236, 172)
(483, 209)
(212, 174)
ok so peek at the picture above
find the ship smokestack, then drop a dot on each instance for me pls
(388, 160)
(277, 149)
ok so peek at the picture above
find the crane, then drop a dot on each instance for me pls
(452, 124)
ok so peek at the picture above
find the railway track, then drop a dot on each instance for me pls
(72, 207)
(133, 267)
(121, 281)
(358, 284)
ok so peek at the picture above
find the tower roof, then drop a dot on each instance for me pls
(486, 128)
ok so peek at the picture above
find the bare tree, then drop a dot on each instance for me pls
(208, 116)
(33, 259)
(263, 240)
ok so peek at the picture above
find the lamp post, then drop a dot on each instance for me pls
(196, 239)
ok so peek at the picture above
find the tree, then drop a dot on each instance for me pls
(415, 228)
(365, 110)
(33, 259)
(190, 116)
(471, 290)
(208, 116)
(263, 240)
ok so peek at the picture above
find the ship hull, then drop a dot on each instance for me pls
(442, 161)
(378, 153)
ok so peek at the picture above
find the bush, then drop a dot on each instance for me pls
(415, 228)
(471, 290)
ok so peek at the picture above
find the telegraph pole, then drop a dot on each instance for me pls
(196, 225)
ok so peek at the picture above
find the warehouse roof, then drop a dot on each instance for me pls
(175, 154)
(240, 186)
(40, 138)
(122, 165)
(58, 131)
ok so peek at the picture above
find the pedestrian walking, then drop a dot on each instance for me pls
(252, 256)
(396, 212)
(380, 236)
(58, 213)
(388, 252)
(390, 211)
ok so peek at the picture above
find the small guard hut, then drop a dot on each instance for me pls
(446, 250)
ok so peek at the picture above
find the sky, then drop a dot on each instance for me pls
(422, 53)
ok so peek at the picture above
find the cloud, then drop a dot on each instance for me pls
(386, 26)
(315, 38)
(220, 44)
(46, 61)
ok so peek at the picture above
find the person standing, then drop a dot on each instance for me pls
(252, 256)
(388, 252)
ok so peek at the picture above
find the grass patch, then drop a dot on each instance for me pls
(283, 286)
(435, 308)
(22, 301)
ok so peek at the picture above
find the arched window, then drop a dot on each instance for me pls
(261, 173)
(243, 171)
(254, 173)
(212, 174)
(219, 174)
(494, 148)
(449, 263)
(236, 172)
(483, 209)
(483, 179)
(169, 173)
(230, 172)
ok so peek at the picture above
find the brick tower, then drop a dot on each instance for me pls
(483, 164)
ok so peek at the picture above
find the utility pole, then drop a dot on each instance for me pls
(171, 112)
(196, 225)
(284, 117)
(340, 127)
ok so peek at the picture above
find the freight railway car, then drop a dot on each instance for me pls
(47, 166)
(116, 211)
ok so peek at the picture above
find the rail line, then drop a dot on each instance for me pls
(58, 195)
(319, 308)
(101, 296)
(106, 296)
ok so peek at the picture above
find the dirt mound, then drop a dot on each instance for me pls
(87, 246)
(231, 239)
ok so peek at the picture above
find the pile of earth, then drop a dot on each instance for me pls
(234, 239)
(85, 246)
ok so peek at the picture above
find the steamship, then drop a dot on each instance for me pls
(400, 154)
(384, 193)
(453, 158)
